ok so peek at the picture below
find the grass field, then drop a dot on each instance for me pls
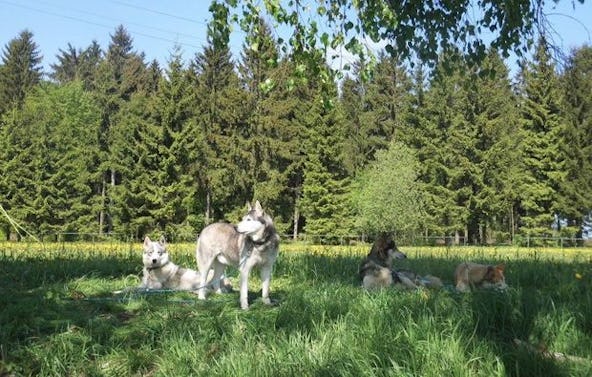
(58, 317)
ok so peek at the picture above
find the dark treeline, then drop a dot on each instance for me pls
(110, 143)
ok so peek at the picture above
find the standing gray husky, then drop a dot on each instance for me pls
(252, 242)
(161, 273)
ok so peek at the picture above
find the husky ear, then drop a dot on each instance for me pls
(258, 207)
(501, 267)
(162, 241)
(249, 206)
(146, 242)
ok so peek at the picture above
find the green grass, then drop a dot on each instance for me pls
(57, 318)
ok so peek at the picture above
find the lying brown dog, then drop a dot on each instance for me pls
(471, 275)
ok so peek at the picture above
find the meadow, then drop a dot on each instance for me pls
(59, 316)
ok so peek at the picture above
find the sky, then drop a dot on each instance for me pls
(158, 25)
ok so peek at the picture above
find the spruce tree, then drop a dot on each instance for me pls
(76, 64)
(257, 70)
(49, 159)
(287, 162)
(352, 101)
(387, 99)
(67, 68)
(326, 185)
(446, 143)
(498, 160)
(20, 70)
(415, 112)
(121, 74)
(150, 157)
(135, 148)
(575, 199)
(465, 131)
(90, 59)
(376, 109)
(218, 159)
(544, 161)
(172, 111)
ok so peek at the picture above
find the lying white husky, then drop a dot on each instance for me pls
(161, 273)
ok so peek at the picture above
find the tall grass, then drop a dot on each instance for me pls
(58, 317)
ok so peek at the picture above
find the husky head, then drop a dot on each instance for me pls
(494, 277)
(255, 223)
(155, 254)
(386, 250)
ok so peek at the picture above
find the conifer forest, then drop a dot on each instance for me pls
(105, 142)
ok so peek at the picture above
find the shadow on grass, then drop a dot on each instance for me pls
(544, 297)
(40, 310)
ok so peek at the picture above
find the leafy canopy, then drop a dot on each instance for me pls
(386, 195)
(412, 28)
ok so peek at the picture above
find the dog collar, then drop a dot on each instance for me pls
(263, 240)
(260, 242)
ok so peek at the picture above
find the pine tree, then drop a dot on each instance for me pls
(446, 142)
(172, 111)
(121, 74)
(218, 159)
(257, 70)
(544, 162)
(352, 101)
(67, 68)
(575, 199)
(376, 109)
(326, 185)
(20, 71)
(135, 147)
(76, 64)
(498, 159)
(49, 156)
(90, 60)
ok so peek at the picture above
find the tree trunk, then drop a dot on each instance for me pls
(512, 224)
(296, 219)
(481, 240)
(208, 205)
(110, 222)
(102, 213)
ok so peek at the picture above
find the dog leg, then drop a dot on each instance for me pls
(407, 283)
(145, 280)
(244, 285)
(265, 282)
(464, 284)
(204, 270)
(462, 287)
(218, 272)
